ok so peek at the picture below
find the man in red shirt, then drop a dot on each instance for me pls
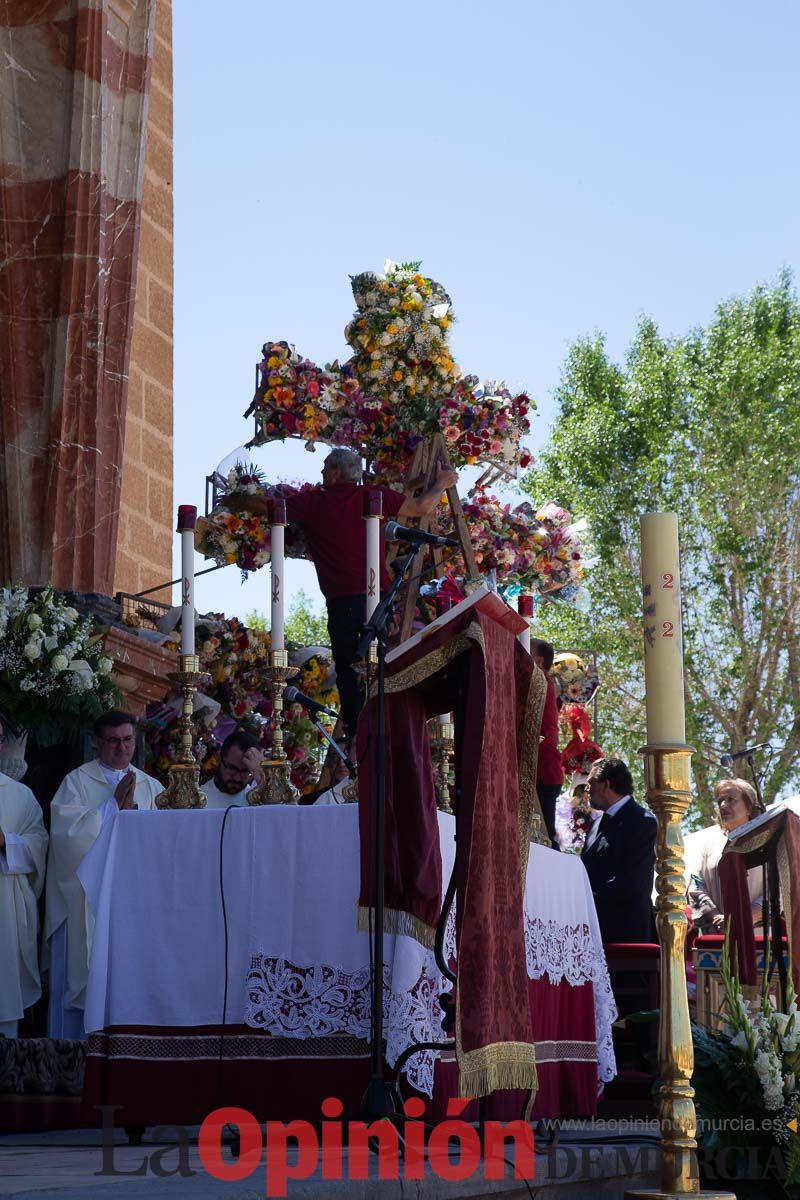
(549, 772)
(332, 518)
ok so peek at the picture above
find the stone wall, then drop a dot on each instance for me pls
(147, 517)
(80, 468)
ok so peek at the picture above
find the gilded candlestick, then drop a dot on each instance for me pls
(442, 745)
(276, 787)
(667, 782)
(183, 790)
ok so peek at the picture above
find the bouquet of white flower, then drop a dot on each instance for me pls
(747, 1086)
(54, 677)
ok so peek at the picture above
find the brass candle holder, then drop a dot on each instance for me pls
(183, 790)
(668, 795)
(276, 787)
(442, 746)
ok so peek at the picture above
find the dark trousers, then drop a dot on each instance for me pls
(345, 622)
(548, 794)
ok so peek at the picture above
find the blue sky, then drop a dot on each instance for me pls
(559, 169)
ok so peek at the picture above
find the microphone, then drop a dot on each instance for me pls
(727, 759)
(401, 533)
(295, 697)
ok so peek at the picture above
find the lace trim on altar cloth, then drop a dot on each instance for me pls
(291, 1001)
(569, 952)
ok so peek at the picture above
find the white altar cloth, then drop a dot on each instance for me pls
(290, 884)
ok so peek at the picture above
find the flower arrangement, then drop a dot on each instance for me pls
(576, 682)
(580, 751)
(401, 383)
(573, 820)
(539, 550)
(233, 655)
(536, 550)
(232, 534)
(55, 679)
(296, 398)
(750, 1069)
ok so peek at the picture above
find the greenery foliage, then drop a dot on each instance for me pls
(706, 425)
(304, 625)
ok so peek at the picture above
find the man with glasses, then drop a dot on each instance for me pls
(238, 769)
(86, 798)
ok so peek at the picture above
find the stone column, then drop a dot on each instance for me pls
(73, 112)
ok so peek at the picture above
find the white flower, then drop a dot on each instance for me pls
(770, 1077)
(740, 1041)
(71, 615)
(59, 663)
(27, 683)
(81, 666)
(50, 644)
(32, 650)
(105, 666)
(34, 621)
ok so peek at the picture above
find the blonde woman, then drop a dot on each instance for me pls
(737, 803)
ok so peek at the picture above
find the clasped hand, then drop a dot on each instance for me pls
(123, 792)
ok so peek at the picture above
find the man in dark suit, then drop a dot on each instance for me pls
(619, 855)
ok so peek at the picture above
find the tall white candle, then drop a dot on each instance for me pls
(373, 512)
(525, 609)
(187, 520)
(663, 640)
(277, 523)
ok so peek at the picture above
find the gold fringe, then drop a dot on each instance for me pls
(432, 662)
(401, 924)
(503, 1065)
(498, 1065)
(531, 819)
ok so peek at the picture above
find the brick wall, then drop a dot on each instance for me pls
(146, 527)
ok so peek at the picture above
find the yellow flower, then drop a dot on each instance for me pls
(272, 361)
(397, 376)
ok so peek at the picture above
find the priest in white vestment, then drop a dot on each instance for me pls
(87, 797)
(238, 770)
(23, 849)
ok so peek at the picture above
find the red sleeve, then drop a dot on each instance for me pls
(392, 501)
(300, 506)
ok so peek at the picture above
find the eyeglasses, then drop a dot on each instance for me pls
(118, 743)
(234, 770)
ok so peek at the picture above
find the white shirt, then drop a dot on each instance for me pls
(217, 799)
(593, 832)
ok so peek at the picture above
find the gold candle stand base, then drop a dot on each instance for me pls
(667, 781)
(276, 787)
(183, 790)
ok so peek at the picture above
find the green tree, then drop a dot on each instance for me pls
(304, 625)
(708, 426)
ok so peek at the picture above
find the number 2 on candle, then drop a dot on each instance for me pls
(668, 629)
(667, 580)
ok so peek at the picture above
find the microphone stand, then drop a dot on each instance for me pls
(351, 766)
(379, 1099)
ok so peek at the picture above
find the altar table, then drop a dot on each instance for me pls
(226, 968)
